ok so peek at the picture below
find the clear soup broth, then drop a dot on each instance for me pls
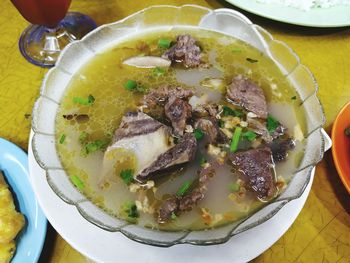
(81, 121)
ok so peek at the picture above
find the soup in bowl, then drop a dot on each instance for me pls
(174, 130)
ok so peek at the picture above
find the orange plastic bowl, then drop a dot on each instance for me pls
(341, 145)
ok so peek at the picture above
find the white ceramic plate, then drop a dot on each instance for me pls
(103, 246)
(337, 16)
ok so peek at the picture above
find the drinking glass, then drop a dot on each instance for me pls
(51, 29)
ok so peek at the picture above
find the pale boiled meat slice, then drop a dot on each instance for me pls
(147, 62)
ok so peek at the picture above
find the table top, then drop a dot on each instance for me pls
(321, 233)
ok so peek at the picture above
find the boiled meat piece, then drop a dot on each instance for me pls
(178, 112)
(179, 204)
(163, 93)
(256, 168)
(248, 95)
(184, 51)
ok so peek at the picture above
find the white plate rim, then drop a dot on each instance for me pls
(296, 16)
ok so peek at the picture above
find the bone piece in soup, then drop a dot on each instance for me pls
(181, 153)
(140, 136)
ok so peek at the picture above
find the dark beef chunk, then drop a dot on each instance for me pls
(161, 95)
(280, 148)
(211, 129)
(280, 130)
(136, 123)
(255, 167)
(206, 110)
(178, 204)
(248, 95)
(184, 51)
(167, 208)
(190, 200)
(182, 152)
(178, 111)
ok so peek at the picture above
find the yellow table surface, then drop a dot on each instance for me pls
(321, 233)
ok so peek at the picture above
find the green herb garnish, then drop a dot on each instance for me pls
(130, 85)
(77, 182)
(202, 161)
(158, 71)
(95, 146)
(234, 187)
(183, 189)
(249, 135)
(293, 98)
(131, 210)
(271, 124)
(83, 137)
(84, 101)
(62, 138)
(164, 43)
(235, 139)
(221, 123)
(141, 88)
(198, 134)
(347, 131)
(251, 60)
(227, 111)
(236, 50)
(173, 216)
(127, 176)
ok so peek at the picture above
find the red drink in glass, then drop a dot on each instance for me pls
(52, 29)
(43, 12)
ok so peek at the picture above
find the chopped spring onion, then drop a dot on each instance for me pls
(77, 182)
(158, 71)
(235, 139)
(127, 176)
(198, 134)
(95, 146)
(249, 135)
(293, 98)
(271, 124)
(347, 131)
(62, 138)
(131, 209)
(164, 43)
(130, 84)
(141, 88)
(84, 101)
(236, 50)
(251, 60)
(173, 216)
(221, 123)
(183, 189)
(227, 111)
(83, 137)
(234, 187)
(202, 161)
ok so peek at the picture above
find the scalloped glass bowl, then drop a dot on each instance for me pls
(226, 21)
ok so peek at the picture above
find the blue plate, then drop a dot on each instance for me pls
(14, 164)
